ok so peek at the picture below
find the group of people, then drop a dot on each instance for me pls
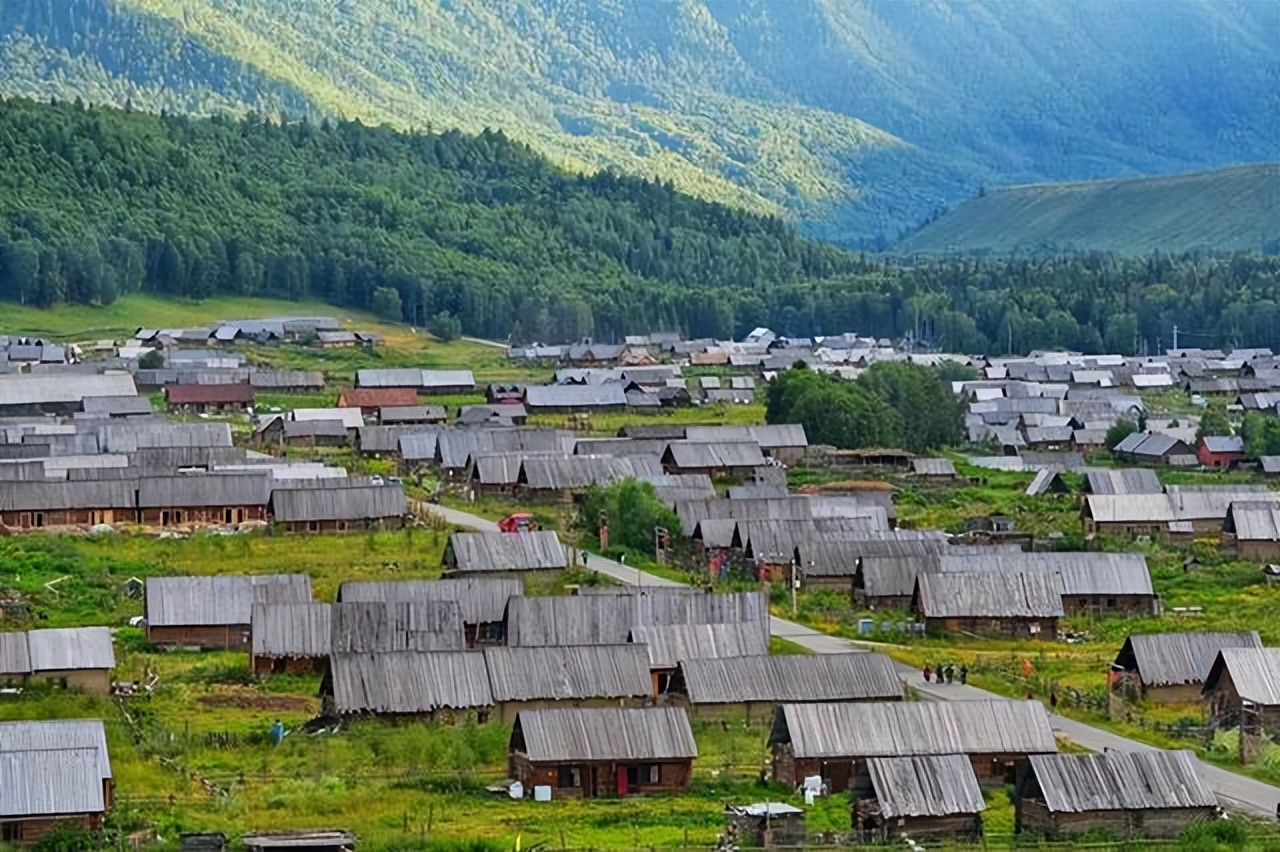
(945, 673)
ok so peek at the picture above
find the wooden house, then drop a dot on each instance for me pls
(1153, 448)
(1019, 604)
(1140, 794)
(730, 459)
(371, 401)
(564, 476)
(332, 509)
(573, 399)
(215, 611)
(24, 394)
(784, 442)
(446, 685)
(482, 601)
(1090, 583)
(37, 504)
(210, 398)
(1254, 529)
(834, 741)
(582, 676)
(289, 637)
(500, 554)
(605, 751)
(751, 687)
(1134, 480)
(411, 415)
(1170, 668)
(1219, 451)
(924, 797)
(1242, 690)
(53, 773)
(203, 499)
(79, 658)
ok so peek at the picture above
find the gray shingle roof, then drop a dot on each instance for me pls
(781, 678)
(223, 599)
(1081, 573)
(575, 396)
(1142, 480)
(1251, 521)
(481, 599)
(594, 671)
(1121, 781)
(290, 630)
(772, 436)
(926, 785)
(609, 618)
(671, 643)
(14, 656)
(204, 490)
(372, 502)
(604, 734)
(1162, 659)
(695, 454)
(50, 496)
(409, 682)
(547, 473)
(1254, 672)
(470, 552)
(44, 388)
(898, 729)
(130, 437)
(55, 734)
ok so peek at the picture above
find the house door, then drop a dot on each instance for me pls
(593, 789)
(622, 780)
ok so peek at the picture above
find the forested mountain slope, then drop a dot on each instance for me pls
(856, 118)
(1228, 209)
(98, 202)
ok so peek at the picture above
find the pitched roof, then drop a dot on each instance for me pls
(933, 467)
(897, 729)
(70, 648)
(470, 552)
(48, 496)
(369, 627)
(480, 599)
(604, 734)
(219, 394)
(350, 417)
(925, 785)
(609, 618)
(377, 397)
(797, 678)
(1121, 781)
(575, 396)
(370, 502)
(290, 629)
(591, 671)
(1080, 572)
(693, 454)
(43, 388)
(15, 658)
(55, 734)
(1141, 480)
(669, 644)
(1254, 672)
(222, 599)
(1163, 659)
(409, 682)
(1021, 594)
(1224, 443)
(771, 436)
(1252, 521)
(556, 472)
(50, 782)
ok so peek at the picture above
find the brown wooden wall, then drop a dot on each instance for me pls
(597, 779)
(228, 637)
(32, 829)
(1016, 627)
(69, 517)
(507, 710)
(267, 666)
(342, 526)
(91, 681)
(162, 516)
(1032, 815)
(1100, 605)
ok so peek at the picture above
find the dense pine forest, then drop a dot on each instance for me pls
(95, 203)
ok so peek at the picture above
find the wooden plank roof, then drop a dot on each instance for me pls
(790, 678)
(899, 729)
(1254, 672)
(409, 682)
(376, 627)
(1121, 781)
(669, 644)
(70, 649)
(481, 599)
(50, 782)
(283, 630)
(925, 785)
(578, 673)
(581, 734)
(325, 503)
(217, 600)
(475, 552)
(1164, 659)
(1020, 594)
(609, 618)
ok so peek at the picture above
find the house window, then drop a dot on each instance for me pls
(489, 632)
(568, 776)
(313, 526)
(637, 776)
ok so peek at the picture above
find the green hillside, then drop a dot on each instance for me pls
(856, 119)
(1229, 210)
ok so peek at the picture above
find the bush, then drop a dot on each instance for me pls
(1220, 835)
(67, 838)
(445, 326)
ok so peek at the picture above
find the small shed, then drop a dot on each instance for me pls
(300, 841)
(1219, 451)
(1242, 690)
(1254, 527)
(593, 752)
(75, 657)
(924, 798)
(1151, 793)
(934, 468)
(1170, 668)
(498, 554)
(766, 824)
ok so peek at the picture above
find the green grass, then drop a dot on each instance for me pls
(607, 424)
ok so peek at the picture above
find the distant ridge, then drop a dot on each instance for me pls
(1234, 209)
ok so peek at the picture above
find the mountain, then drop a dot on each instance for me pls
(1234, 209)
(856, 119)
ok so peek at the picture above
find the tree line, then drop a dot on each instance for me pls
(478, 235)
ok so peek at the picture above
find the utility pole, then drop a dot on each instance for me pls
(1175, 336)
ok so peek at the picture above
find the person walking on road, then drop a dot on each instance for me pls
(964, 674)
(1053, 701)
(928, 672)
